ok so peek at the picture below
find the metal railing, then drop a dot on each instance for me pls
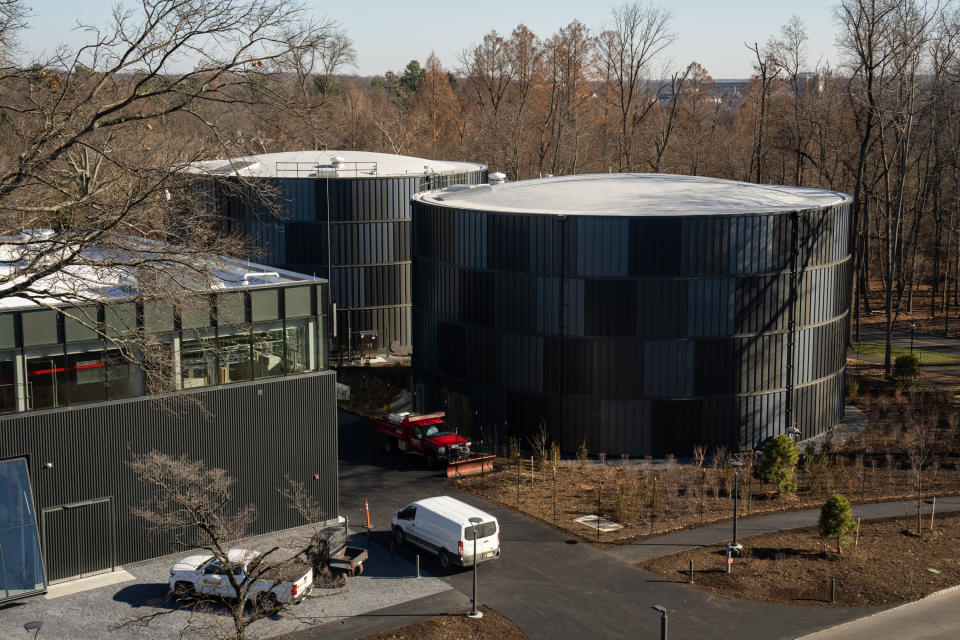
(316, 170)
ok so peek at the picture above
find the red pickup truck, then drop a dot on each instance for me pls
(427, 434)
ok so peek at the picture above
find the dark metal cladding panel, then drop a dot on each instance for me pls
(260, 432)
(353, 231)
(638, 335)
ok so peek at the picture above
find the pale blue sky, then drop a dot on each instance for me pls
(387, 34)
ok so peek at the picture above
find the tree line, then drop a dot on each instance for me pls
(95, 130)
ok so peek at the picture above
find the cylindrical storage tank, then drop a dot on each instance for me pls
(341, 215)
(641, 314)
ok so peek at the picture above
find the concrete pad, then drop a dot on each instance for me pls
(85, 584)
(596, 522)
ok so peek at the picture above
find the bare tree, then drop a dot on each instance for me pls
(920, 441)
(193, 506)
(98, 140)
(636, 35)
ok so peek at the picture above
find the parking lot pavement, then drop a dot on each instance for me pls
(112, 612)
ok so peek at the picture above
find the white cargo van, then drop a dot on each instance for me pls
(442, 526)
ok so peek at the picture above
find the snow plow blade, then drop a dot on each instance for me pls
(470, 467)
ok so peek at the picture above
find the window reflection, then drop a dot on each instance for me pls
(124, 379)
(46, 377)
(298, 347)
(20, 559)
(198, 362)
(234, 354)
(268, 352)
(8, 383)
(85, 377)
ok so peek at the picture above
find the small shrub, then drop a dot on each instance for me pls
(555, 453)
(582, 453)
(853, 388)
(837, 521)
(780, 456)
(514, 445)
(906, 368)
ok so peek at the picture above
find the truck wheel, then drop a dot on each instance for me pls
(431, 459)
(358, 570)
(398, 535)
(184, 591)
(445, 560)
(389, 445)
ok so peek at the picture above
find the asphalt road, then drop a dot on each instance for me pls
(922, 343)
(551, 586)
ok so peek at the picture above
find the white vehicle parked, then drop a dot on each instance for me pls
(442, 527)
(205, 574)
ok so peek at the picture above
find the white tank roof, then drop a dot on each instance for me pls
(303, 164)
(633, 194)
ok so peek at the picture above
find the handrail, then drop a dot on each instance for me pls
(317, 170)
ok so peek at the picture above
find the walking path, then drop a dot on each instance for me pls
(932, 618)
(650, 548)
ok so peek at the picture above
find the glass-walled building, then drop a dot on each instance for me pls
(55, 359)
(237, 379)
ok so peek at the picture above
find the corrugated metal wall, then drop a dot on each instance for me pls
(638, 335)
(259, 432)
(364, 250)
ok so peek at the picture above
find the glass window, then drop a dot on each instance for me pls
(46, 377)
(124, 379)
(8, 383)
(234, 353)
(85, 378)
(22, 564)
(484, 530)
(268, 350)
(198, 361)
(298, 346)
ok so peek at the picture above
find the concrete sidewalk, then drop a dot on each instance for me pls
(650, 548)
(932, 618)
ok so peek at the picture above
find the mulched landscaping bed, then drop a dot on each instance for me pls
(456, 626)
(890, 564)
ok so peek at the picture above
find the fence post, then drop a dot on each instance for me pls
(691, 572)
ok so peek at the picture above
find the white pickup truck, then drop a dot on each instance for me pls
(206, 575)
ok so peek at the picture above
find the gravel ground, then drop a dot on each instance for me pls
(110, 612)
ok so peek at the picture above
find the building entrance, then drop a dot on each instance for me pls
(79, 539)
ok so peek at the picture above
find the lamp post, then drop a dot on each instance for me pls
(473, 613)
(735, 547)
(663, 620)
(913, 327)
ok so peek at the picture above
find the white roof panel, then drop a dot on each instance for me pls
(312, 164)
(633, 194)
(108, 275)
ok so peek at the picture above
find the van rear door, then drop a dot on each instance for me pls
(487, 539)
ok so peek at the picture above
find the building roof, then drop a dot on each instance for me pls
(632, 194)
(110, 275)
(312, 164)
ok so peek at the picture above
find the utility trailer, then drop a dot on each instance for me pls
(328, 549)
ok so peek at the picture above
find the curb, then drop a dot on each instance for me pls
(929, 596)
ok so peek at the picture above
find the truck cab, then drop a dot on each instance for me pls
(429, 435)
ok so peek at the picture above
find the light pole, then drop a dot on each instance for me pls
(913, 327)
(735, 547)
(473, 613)
(663, 620)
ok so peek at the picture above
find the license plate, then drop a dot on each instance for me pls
(488, 554)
